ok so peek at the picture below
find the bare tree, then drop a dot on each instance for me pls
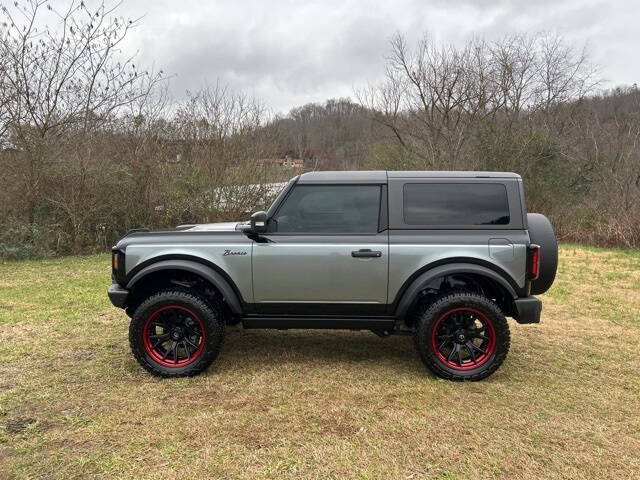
(435, 98)
(220, 134)
(71, 73)
(65, 79)
(6, 93)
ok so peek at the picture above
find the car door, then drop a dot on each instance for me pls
(326, 253)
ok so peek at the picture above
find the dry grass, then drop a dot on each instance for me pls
(305, 404)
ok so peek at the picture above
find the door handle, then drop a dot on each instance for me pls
(366, 253)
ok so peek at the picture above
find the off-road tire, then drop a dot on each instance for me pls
(210, 317)
(426, 320)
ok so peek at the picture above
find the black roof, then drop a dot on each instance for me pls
(381, 176)
(374, 176)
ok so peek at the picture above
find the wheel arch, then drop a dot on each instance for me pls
(481, 274)
(208, 273)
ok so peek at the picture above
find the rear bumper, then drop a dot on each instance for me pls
(117, 295)
(528, 310)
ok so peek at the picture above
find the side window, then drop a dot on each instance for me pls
(329, 209)
(445, 204)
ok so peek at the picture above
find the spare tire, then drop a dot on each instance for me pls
(541, 233)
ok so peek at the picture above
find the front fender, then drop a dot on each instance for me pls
(206, 272)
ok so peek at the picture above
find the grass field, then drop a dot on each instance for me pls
(310, 404)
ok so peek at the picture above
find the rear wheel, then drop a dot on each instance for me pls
(462, 336)
(175, 334)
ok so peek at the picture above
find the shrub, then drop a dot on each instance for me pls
(24, 240)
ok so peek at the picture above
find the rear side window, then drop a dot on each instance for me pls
(330, 209)
(457, 204)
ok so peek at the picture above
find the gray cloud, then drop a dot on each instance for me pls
(291, 52)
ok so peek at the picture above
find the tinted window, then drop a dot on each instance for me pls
(281, 194)
(330, 209)
(455, 204)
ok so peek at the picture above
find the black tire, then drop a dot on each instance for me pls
(433, 330)
(185, 314)
(541, 233)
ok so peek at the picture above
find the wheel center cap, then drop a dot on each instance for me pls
(461, 336)
(176, 334)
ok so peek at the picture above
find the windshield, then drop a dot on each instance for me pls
(280, 196)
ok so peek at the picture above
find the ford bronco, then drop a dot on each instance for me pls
(441, 256)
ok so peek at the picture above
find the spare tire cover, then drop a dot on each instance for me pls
(541, 233)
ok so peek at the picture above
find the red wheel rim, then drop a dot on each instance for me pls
(173, 336)
(463, 338)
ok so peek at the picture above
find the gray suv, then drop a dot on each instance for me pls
(441, 256)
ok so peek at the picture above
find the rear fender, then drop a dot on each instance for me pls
(411, 294)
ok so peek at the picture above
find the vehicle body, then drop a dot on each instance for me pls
(367, 250)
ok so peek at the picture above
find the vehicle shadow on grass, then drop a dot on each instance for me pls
(273, 348)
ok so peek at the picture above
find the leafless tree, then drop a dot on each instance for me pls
(70, 73)
(435, 97)
(65, 77)
(220, 134)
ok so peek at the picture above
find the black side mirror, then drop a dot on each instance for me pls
(259, 222)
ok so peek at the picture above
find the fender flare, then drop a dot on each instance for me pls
(410, 295)
(216, 279)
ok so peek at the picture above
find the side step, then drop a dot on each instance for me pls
(335, 323)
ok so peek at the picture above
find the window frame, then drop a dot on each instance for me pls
(382, 210)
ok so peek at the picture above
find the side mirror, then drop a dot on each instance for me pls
(259, 222)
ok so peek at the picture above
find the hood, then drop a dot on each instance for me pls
(178, 235)
(210, 227)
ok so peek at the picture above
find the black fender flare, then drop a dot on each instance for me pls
(216, 279)
(410, 295)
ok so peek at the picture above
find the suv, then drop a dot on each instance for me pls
(441, 256)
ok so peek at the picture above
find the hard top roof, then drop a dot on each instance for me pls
(374, 176)
(380, 176)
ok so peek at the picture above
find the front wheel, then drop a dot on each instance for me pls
(176, 334)
(462, 336)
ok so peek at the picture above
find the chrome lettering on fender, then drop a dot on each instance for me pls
(229, 252)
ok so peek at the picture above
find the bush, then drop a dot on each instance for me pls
(24, 240)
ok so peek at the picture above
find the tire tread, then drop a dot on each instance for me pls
(214, 325)
(427, 313)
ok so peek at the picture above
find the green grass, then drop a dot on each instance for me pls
(309, 404)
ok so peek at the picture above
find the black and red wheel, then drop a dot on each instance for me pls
(462, 336)
(175, 334)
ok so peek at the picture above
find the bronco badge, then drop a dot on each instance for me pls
(230, 252)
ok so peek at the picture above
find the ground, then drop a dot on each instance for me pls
(310, 404)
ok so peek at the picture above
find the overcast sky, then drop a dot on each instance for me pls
(288, 53)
